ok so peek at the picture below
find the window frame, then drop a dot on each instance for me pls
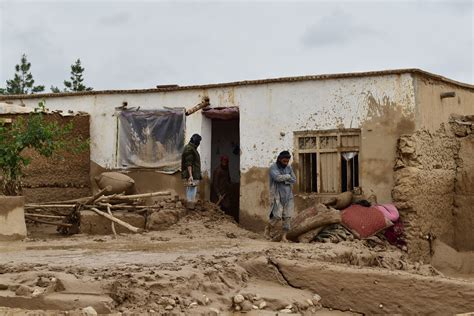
(339, 133)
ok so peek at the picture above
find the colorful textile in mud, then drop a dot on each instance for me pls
(363, 221)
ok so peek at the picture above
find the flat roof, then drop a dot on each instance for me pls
(167, 88)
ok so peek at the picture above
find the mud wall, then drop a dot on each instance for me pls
(434, 177)
(463, 209)
(65, 175)
(431, 110)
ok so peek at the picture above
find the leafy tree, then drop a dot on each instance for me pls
(34, 132)
(76, 78)
(22, 82)
(55, 89)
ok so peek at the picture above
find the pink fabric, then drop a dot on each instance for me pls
(363, 221)
(389, 211)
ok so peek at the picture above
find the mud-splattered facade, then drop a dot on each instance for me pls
(380, 106)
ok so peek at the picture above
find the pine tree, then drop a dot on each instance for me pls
(76, 78)
(22, 82)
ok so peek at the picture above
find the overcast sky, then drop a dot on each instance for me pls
(141, 44)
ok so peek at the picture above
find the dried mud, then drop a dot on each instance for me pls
(197, 266)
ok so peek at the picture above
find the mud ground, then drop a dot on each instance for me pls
(200, 264)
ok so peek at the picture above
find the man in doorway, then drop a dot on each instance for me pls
(191, 168)
(282, 179)
(221, 184)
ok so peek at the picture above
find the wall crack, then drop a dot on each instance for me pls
(272, 262)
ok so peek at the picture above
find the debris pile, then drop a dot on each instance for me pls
(67, 214)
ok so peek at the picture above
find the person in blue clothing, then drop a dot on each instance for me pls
(282, 204)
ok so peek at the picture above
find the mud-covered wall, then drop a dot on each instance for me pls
(434, 187)
(463, 208)
(425, 172)
(382, 107)
(63, 176)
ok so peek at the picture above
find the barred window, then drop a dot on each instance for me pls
(328, 160)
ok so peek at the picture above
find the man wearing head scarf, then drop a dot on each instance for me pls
(282, 179)
(191, 167)
(221, 184)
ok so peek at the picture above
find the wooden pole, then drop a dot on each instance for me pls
(139, 196)
(112, 223)
(204, 103)
(118, 221)
(45, 216)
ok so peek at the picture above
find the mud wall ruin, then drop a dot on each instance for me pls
(63, 176)
(434, 177)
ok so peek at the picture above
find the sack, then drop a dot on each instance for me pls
(364, 222)
(389, 211)
(119, 182)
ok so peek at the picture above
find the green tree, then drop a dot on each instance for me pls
(76, 83)
(55, 89)
(22, 82)
(34, 132)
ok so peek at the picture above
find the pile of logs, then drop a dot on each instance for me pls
(66, 214)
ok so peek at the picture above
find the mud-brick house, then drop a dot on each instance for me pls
(342, 129)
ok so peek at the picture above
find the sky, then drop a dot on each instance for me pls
(141, 44)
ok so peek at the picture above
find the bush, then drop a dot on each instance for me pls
(34, 132)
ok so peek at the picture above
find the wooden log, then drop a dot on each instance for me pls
(50, 205)
(98, 195)
(140, 196)
(324, 216)
(45, 216)
(111, 223)
(118, 221)
(310, 235)
(204, 103)
(49, 223)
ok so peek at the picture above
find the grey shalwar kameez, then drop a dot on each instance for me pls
(281, 194)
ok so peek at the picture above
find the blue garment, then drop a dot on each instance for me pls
(281, 193)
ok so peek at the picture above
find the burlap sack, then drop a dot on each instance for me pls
(119, 182)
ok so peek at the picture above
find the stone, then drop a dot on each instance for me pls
(213, 311)
(95, 224)
(239, 298)
(168, 307)
(286, 311)
(163, 219)
(246, 306)
(316, 299)
(23, 290)
(262, 305)
(89, 311)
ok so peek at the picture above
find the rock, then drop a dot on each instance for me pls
(23, 290)
(168, 307)
(89, 311)
(310, 302)
(163, 219)
(213, 311)
(166, 301)
(193, 304)
(239, 298)
(231, 235)
(254, 307)
(37, 292)
(246, 306)
(262, 305)
(289, 307)
(238, 308)
(286, 311)
(316, 299)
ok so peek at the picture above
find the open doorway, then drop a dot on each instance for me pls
(226, 143)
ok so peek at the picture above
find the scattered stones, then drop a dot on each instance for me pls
(239, 299)
(23, 290)
(89, 311)
(246, 306)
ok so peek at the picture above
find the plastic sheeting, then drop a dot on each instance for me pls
(151, 139)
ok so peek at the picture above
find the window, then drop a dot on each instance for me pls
(328, 160)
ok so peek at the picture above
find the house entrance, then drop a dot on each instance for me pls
(225, 143)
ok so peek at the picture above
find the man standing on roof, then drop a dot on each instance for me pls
(191, 168)
(282, 179)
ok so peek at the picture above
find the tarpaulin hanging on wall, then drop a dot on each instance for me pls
(151, 139)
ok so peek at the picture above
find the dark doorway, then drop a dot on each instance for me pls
(226, 142)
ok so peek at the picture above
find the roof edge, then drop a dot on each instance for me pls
(245, 83)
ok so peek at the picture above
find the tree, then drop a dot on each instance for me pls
(22, 82)
(55, 89)
(34, 132)
(76, 79)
